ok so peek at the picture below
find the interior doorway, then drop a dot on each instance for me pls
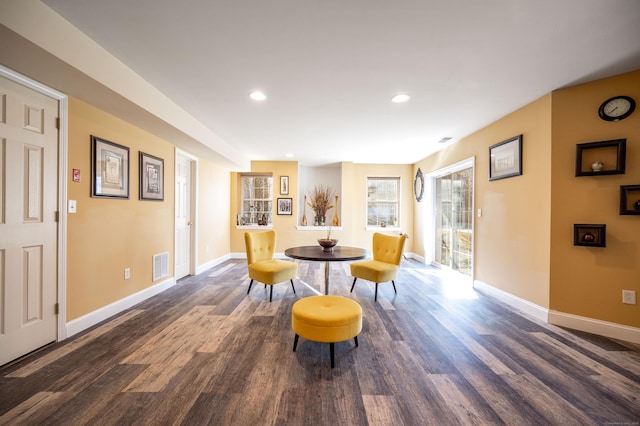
(31, 146)
(185, 214)
(453, 218)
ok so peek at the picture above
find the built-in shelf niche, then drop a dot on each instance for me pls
(308, 178)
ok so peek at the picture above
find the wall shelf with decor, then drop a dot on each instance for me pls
(630, 199)
(590, 235)
(601, 158)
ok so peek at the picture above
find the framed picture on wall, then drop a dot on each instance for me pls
(505, 158)
(109, 169)
(284, 185)
(151, 177)
(285, 206)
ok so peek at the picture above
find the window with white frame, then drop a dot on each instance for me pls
(257, 199)
(383, 201)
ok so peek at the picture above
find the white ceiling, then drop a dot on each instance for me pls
(329, 68)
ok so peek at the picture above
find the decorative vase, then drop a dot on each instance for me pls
(303, 222)
(597, 166)
(588, 237)
(319, 220)
(336, 222)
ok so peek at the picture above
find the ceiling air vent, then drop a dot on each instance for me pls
(443, 140)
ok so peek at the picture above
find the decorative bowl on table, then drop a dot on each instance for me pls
(327, 244)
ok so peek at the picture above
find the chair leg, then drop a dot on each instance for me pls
(356, 340)
(394, 286)
(271, 293)
(294, 289)
(353, 285)
(332, 350)
(295, 342)
(375, 298)
(250, 284)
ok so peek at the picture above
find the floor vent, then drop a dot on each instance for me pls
(160, 265)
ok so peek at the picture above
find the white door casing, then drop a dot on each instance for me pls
(28, 227)
(183, 217)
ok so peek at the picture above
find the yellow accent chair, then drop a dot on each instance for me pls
(262, 266)
(326, 319)
(387, 254)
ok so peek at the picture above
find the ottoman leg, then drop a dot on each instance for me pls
(270, 293)
(375, 298)
(295, 342)
(250, 284)
(356, 340)
(353, 285)
(331, 349)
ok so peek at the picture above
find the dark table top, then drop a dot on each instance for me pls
(340, 253)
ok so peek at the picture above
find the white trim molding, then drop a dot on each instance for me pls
(590, 325)
(561, 319)
(92, 318)
(532, 309)
(210, 264)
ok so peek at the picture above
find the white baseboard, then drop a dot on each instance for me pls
(575, 322)
(89, 320)
(524, 305)
(590, 325)
(215, 262)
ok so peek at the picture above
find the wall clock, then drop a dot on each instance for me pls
(418, 185)
(617, 108)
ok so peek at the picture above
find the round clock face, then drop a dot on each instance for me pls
(617, 108)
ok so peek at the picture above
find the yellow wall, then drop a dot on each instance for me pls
(352, 212)
(214, 232)
(511, 247)
(588, 281)
(106, 236)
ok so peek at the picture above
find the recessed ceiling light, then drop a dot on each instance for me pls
(288, 155)
(257, 96)
(398, 99)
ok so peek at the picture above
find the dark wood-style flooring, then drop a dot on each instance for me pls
(437, 353)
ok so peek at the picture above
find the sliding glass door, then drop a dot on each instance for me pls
(454, 220)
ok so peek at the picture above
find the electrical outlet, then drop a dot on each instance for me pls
(127, 273)
(629, 297)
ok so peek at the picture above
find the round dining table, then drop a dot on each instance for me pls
(316, 254)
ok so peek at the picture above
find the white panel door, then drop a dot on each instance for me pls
(183, 217)
(28, 227)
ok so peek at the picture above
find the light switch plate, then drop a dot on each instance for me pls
(72, 206)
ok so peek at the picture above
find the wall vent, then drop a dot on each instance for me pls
(160, 265)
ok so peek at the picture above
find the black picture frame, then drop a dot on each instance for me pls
(630, 199)
(151, 177)
(505, 159)
(586, 153)
(109, 169)
(285, 206)
(590, 235)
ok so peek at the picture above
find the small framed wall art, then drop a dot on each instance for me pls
(505, 158)
(284, 185)
(285, 206)
(109, 169)
(151, 177)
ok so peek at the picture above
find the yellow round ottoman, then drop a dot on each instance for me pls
(326, 319)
